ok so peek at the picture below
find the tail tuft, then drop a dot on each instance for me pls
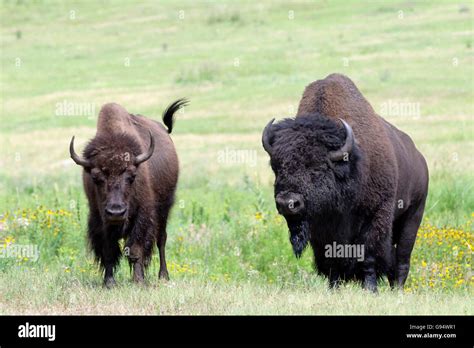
(168, 115)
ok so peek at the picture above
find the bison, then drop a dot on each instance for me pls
(130, 173)
(346, 177)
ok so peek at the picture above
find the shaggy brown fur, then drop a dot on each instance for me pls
(375, 198)
(127, 199)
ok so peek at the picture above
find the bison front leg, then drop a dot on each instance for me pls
(109, 258)
(334, 279)
(370, 275)
(105, 246)
(109, 280)
(377, 247)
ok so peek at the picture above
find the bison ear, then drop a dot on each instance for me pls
(267, 137)
(345, 150)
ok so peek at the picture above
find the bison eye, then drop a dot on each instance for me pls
(98, 180)
(97, 177)
(131, 177)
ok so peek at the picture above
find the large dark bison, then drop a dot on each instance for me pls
(130, 176)
(346, 177)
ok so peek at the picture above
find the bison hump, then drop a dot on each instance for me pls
(113, 118)
(335, 96)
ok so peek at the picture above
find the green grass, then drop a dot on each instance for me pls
(240, 64)
(56, 293)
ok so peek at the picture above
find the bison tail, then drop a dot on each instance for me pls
(168, 115)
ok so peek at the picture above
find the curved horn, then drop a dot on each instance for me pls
(266, 136)
(75, 157)
(348, 144)
(146, 155)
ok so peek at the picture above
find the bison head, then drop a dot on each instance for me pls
(313, 158)
(112, 163)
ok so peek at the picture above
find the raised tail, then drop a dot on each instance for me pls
(168, 115)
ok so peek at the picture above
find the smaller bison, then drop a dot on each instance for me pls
(348, 183)
(130, 172)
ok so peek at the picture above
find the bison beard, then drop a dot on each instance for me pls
(299, 235)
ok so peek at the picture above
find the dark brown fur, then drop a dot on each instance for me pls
(120, 138)
(381, 190)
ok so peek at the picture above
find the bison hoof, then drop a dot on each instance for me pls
(109, 283)
(371, 287)
(139, 280)
(164, 275)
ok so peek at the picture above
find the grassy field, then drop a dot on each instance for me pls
(240, 64)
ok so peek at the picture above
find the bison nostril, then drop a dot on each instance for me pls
(295, 207)
(289, 206)
(292, 204)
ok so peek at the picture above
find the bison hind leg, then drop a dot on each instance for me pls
(406, 241)
(391, 268)
(161, 236)
(139, 254)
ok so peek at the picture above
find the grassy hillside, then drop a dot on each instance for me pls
(240, 64)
